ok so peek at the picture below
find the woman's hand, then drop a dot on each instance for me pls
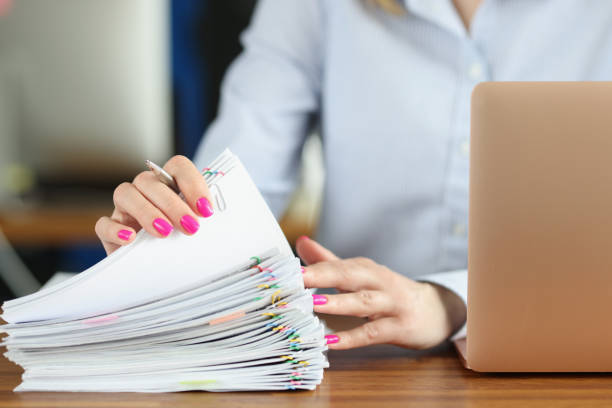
(148, 203)
(400, 311)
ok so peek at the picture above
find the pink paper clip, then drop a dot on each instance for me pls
(101, 319)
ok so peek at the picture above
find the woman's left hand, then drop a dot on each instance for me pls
(400, 311)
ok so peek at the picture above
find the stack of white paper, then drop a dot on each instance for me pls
(223, 310)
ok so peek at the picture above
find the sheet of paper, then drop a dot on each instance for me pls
(152, 268)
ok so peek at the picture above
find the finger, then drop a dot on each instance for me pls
(373, 332)
(109, 248)
(129, 200)
(363, 303)
(113, 234)
(125, 219)
(170, 203)
(347, 274)
(312, 252)
(192, 184)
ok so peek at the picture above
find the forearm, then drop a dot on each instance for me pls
(268, 97)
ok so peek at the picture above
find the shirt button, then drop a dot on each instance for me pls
(436, 6)
(475, 71)
(465, 148)
(459, 229)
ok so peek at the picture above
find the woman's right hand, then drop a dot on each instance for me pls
(148, 203)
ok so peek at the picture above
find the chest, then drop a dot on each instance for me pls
(408, 72)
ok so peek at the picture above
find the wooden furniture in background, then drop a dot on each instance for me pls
(51, 226)
(62, 225)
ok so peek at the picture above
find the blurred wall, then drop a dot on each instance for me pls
(203, 40)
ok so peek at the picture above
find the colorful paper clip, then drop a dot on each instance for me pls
(268, 286)
(208, 170)
(292, 360)
(263, 269)
(275, 296)
(197, 382)
(101, 319)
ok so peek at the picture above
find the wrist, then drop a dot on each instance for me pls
(453, 307)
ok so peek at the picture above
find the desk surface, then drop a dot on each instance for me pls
(383, 376)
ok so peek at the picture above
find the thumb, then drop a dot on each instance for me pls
(312, 252)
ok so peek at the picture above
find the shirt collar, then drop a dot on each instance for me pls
(440, 12)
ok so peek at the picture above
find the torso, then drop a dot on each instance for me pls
(395, 114)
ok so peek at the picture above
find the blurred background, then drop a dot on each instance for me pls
(89, 89)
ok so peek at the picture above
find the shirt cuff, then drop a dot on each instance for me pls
(455, 281)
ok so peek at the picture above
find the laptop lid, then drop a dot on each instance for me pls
(540, 227)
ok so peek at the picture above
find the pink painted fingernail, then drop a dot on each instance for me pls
(302, 269)
(190, 224)
(5, 6)
(319, 299)
(162, 226)
(204, 207)
(302, 237)
(124, 234)
(331, 339)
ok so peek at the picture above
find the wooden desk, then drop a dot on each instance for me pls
(380, 376)
(63, 225)
(52, 226)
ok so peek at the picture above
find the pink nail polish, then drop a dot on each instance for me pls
(124, 234)
(190, 224)
(302, 237)
(331, 338)
(162, 226)
(204, 207)
(319, 299)
(302, 269)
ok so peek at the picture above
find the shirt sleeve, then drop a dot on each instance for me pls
(269, 97)
(455, 281)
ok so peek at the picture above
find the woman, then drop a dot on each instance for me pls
(390, 82)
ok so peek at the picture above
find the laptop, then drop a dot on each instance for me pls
(540, 228)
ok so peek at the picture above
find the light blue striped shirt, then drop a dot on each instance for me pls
(392, 94)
